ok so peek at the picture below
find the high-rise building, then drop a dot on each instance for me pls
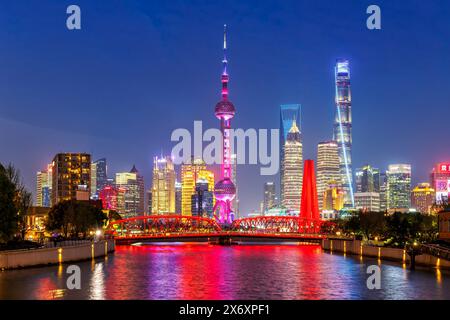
(44, 187)
(399, 187)
(343, 127)
(225, 190)
(383, 191)
(178, 197)
(269, 196)
(132, 183)
(163, 188)
(71, 177)
(292, 170)
(109, 197)
(423, 197)
(367, 201)
(367, 179)
(190, 174)
(98, 177)
(333, 197)
(288, 112)
(440, 181)
(327, 168)
(202, 200)
(149, 202)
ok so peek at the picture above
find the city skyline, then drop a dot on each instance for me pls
(373, 101)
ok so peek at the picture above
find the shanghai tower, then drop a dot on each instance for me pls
(343, 128)
(225, 190)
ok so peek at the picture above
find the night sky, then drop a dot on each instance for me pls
(140, 69)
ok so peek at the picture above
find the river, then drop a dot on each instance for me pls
(203, 271)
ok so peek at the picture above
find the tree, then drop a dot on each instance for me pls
(372, 224)
(74, 218)
(8, 210)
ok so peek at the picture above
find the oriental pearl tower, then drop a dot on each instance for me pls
(224, 190)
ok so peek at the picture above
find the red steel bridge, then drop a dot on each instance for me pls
(157, 228)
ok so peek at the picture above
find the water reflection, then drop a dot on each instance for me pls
(202, 271)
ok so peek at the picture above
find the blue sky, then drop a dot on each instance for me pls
(140, 69)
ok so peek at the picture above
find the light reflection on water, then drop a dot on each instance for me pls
(203, 271)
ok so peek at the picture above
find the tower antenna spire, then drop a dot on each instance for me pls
(225, 61)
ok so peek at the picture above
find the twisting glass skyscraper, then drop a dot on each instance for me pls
(343, 127)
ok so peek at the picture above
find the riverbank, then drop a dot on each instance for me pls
(48, 256)
(356, 247)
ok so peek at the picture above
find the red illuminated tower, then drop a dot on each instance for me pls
(224, 190)
(309, 209)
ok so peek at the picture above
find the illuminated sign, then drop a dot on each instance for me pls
(442, 189)
(443, 168)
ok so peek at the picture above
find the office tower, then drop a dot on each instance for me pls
(333, 197)
(367, 201)
(343, 127)
(269, 196)
(225, 190)
(423, 197)
(310, 205)
(440, 181)
(383, 191)
(132, 185)
(178, 197)
(149, 202)
(99, 177)
(399, 187)
(288, 112)
(235, 204)
(163, 187)
(292, 170)
(71, 177)
(190, 174)
(202, 201)
(109, 197)
(44, 187)
(327, 168)
(367, 179)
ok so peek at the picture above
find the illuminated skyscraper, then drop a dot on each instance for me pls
(383, 191)
(109, 197)
(71, 177)
(225, 190)
(44, 187)
(292, 170)
(440, 181)
(98, 177)
(269, 196)
(163, 187)
(327, 168)
(132, 184)
(423, 197)
(367, 179)
(202, 200)
(288, 112)
(190, 174)
(343, 127)
(333, 197)
(399, 187)
(178, 197)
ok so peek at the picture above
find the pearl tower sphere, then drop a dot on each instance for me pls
(224, 190)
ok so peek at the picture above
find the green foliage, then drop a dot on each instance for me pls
(74, 218)
(8, 210)
(397, 229)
